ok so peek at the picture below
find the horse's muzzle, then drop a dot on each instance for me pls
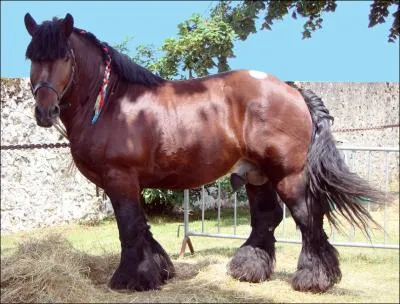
(45, 117)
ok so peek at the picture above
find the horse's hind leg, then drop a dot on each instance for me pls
(318, 264)
(254, 260)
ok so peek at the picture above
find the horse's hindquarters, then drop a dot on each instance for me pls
(277, 133)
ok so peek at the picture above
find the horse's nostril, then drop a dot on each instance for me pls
(54, 111)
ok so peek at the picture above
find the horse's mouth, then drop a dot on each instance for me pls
(46, 123)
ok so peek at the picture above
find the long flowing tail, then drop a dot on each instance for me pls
(330, 181)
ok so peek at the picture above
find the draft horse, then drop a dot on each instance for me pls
(130, 129)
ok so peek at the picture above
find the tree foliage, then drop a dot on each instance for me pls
(123, 46)
(206, 43)
(201, 45)
(242, 16)
(379, 12)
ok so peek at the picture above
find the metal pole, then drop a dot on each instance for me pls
(219, 205)
(291, 241)
(186, 211)
(284, 219)
(234, 213)
(202, 208)
(186, 239)
(347, 161)
(345, 157)
(351, 166)
(368, 176)
(352, 148)
(387, 190)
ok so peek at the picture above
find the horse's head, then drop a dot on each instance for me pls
(52, 65)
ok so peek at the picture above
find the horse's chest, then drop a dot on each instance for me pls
(89, 163)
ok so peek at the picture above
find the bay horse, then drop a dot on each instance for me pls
(130, 129)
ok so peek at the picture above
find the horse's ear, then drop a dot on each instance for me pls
(30, 24)
(67, 25)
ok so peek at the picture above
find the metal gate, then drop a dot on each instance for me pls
(379, 165)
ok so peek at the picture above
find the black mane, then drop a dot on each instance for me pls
(49, 43)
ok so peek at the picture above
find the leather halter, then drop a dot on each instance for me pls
(49, 85)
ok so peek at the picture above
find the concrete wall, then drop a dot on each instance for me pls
(37, 189)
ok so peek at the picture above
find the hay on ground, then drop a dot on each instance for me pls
(51, 270)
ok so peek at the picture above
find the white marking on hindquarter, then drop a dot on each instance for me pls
(258, 74)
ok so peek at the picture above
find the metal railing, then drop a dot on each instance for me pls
(359, 159)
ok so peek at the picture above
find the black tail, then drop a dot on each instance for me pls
(330, 181)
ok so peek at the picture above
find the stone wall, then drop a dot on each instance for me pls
(38, 189)
(364, 105)
(359, 105)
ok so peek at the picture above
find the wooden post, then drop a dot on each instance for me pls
(186, 240)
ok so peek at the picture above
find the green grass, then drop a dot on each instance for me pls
(369, 275)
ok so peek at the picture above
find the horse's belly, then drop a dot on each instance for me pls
(191, 175)
(196, 176)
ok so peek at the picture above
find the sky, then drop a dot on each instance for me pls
(345, 49)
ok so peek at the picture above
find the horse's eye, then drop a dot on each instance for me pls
(66, 58)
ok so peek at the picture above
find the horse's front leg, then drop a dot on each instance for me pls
(144, 264)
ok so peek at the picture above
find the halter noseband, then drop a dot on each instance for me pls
(49, 85)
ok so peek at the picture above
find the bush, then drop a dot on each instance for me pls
(158, 201)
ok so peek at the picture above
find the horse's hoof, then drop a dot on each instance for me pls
(307, 280)
(251, 264)
(319, 271)
(123, 280)
(148, 275)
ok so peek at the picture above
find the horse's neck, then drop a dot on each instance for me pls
(81, 99)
